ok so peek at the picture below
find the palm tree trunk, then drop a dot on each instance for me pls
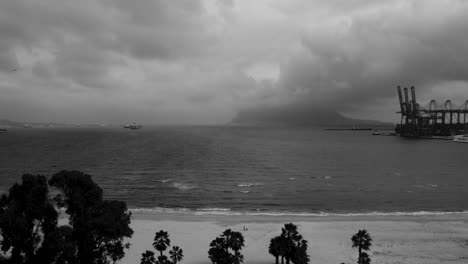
(287, 260)
(359, 257)
(276, 259)
(282, 259)
(160, 253)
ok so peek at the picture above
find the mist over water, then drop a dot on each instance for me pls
(231, 170)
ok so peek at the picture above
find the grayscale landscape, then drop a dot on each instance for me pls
(233, 131)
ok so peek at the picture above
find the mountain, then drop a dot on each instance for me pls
(298, 116)
(8, 123)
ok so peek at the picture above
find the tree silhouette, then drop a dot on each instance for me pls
(58, 246)
(291, 238)
(24, 212)
(225, 249)
(161, 241)
(300, 253)
(218, 252)
(176, 254)
(234, 240)
(28, 222)
(290, 246)
(99, 227)
(363, 241)
(163, 260)
(275, 248)
(147, 257)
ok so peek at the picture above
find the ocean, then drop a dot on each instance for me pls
(249, 170)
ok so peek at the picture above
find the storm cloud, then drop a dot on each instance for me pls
(201, 61)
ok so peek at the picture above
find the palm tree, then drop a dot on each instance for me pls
(362, 241)
(236, 241)
(290, 237)
(161, 241)
(227, 237)
(147, 257)
(275, 248)
(290, 246)
(284, 244)
(237, 258)
(163, 260)
(219, 251)
(176, 254)
(300, 253)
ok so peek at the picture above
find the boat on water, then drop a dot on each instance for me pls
(461, 138)
(376, 133)
(132, 126)
(3, 130)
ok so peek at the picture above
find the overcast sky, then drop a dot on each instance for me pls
(199, 62)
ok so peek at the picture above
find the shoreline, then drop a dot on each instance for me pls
(195, 216)
(396, 239)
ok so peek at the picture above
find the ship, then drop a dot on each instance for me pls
(132, 126)
(461, 138)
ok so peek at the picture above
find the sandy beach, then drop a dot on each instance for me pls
(423, 239)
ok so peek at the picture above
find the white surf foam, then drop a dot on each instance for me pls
(228, 212)
(183, 186)
(249, 184)
(166, 180)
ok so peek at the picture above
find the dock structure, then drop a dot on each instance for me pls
(430, 120)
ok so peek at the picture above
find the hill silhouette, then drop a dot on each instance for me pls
(287, 115)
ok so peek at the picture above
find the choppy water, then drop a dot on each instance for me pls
(232, 170)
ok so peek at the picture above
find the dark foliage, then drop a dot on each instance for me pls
(161, 243)
(363, 241)
(58, 247)
(225, 249)
(29, 226)
(147, 257)
(176, 254)
(98, 226)
(289, 246)
(163, 260)
(25, 213)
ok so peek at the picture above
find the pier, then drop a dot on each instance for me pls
(431, 120)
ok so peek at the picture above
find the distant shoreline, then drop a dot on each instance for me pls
(361, 129)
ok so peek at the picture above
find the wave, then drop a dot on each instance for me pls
(166, 180)
(426, 186)
(259, 212)
(183, 186)
(214, 209)
(249, 184)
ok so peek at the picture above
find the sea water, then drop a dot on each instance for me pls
(249, 170)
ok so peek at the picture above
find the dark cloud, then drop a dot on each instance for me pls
(365, 55)
(202, 60)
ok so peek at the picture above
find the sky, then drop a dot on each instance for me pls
(202, 61)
